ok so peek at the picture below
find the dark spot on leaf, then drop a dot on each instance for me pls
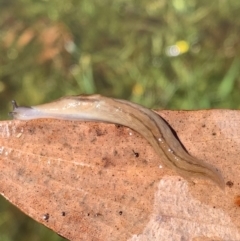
(229, 183)
(136, 154)
(99, 132)
(107, 162)
(31, 131)
(98, 214)
(46, 217)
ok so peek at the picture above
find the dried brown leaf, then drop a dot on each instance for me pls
(95, 181)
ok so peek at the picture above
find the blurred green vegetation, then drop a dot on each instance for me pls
(163, 54)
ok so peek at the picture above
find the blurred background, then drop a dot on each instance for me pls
(163, 54)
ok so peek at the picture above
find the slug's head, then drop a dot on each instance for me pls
(69, 108)
(22, 113)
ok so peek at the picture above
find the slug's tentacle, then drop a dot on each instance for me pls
(14, 104)
(145, 121)
(24, 113)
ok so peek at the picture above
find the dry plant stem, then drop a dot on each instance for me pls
(146, 122)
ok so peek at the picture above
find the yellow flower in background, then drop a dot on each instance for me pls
(137, 89)
(183, 46)
(180, 47)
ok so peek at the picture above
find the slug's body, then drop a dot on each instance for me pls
(146, 122)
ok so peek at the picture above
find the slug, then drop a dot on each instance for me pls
(142, 120)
